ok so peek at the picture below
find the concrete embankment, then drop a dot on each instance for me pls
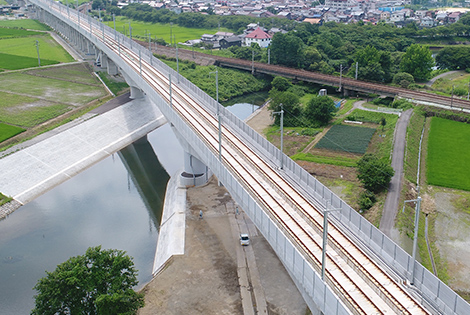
(26, 174)
(172, 228)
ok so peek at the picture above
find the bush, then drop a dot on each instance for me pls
(402, 103)
(366, 200)
(460, 91)
(403, 79)
(375, 174)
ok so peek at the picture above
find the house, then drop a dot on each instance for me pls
(230, 41)
(397, 16)
(385, 16)
(453, 17)
(259, 37)
(427, 21)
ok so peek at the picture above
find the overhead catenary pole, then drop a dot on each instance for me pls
(171, 98)
(281, 165)
(78, 14)
(325, 238)
(37, 49)
(114, 23)
(415, 237)
(357, 65)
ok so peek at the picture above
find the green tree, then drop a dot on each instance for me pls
(287, 49)
(418, 62)
(375, 174)
(281, 84)
(319, 110)
(99, 282)
(453, 58)
(290, 104)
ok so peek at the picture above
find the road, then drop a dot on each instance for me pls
(390, 209)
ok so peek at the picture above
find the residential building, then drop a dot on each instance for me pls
(259, 37)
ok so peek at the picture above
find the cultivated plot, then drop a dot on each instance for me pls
(346, 138)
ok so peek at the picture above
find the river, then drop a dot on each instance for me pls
(116, 203)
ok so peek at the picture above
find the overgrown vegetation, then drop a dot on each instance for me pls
(413, 136)
(232, 82)
(332, 160)
(117, 87)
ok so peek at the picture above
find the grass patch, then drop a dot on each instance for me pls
(115, 86)
(458, 81)
(78, 73)
(58, 91)
(4, 199)
(49, 49)
(8, 131)
(346, 107)
(14, 62)
(25, 23)
(448, 151)
(346, 138)
(413, 136)
(15, 32)
(140, 29)
(333, 160)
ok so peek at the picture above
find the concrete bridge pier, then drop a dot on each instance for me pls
(195, 172)
(113, 69)
(136, 92)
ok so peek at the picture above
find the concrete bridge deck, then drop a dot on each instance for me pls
(28, 173)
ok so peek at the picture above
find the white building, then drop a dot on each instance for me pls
(258, 36)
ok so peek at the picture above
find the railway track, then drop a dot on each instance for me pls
(361, 284)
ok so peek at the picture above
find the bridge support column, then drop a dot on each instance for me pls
(112, 68)
(136, 92)
(195, 172)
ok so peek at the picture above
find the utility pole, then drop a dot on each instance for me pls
(282, 135)
(325, 238)
(37, 49)
(452, 97)
(415, 238)
(468, 93)
(171, 33)
(340, 76)
(357, 65)
(252, 62)
(269, 56)
(177, 65)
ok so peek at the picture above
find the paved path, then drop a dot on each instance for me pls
(390, 209)
(430, 82)
(28, 173)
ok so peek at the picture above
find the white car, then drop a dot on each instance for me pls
(244, 240)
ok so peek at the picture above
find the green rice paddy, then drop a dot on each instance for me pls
(447, 161)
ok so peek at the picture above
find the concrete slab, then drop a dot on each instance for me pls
(172, 228)
(28, 173)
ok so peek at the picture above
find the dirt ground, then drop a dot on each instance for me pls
(453, 239)
(204, 280)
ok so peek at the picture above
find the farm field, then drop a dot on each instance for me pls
(24, 23)
(30, 98)
(447, 161)
(14, 32)
(346, 138)
(382, 140)
(7, 131)
(140, 29)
